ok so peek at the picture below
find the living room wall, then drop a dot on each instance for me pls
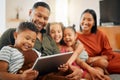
(75, 8)
(2, 16)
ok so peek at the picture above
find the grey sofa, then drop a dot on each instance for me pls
(115, 76)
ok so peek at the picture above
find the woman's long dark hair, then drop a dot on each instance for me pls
(93, 13)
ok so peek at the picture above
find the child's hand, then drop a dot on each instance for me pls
(29, 74)
(63, 67)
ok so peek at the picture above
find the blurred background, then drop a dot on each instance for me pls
(12, 12)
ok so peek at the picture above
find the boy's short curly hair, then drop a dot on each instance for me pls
(26, 25)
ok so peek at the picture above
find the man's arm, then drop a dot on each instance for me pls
(7, 38)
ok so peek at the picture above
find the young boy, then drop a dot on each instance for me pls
(16, 60)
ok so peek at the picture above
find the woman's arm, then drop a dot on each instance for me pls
(92, 71)
(98, 61)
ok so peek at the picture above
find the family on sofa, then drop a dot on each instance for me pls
(21, 46)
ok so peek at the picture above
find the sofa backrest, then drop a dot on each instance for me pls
(113, 34)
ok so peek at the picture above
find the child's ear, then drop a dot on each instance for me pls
(30, 12)
(15, 35)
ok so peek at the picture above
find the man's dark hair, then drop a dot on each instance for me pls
(43, 4)
(26, 25)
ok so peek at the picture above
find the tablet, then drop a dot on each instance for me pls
(50, 63)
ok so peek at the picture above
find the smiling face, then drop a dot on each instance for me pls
(25, 40)
(69, 37)
(39, 16)
(87, 22)
(56, 32)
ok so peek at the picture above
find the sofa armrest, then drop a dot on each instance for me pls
(117, 50)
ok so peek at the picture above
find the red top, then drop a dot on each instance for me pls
(96, 44)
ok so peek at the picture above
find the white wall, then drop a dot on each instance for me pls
(76, 7)
(24, 7)
(2, 16)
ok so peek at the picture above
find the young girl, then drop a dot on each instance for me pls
(55, 30)
(16, 60)
(70, 39)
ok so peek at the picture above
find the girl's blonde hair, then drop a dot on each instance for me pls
(54, 23)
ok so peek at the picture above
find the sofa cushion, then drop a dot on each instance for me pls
(113, 34)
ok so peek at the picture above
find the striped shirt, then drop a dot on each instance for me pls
(13, 57)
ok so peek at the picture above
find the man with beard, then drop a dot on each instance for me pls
(39, 15)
